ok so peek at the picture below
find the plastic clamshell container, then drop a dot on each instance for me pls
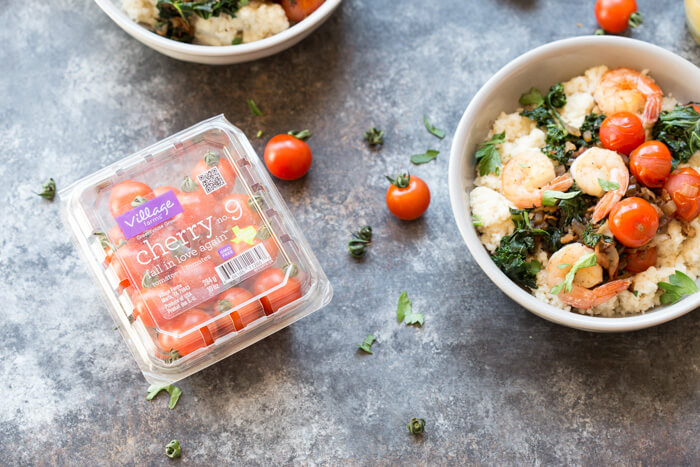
(194, 250)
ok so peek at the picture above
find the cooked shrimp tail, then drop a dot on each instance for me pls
(583, 298)
(561, 183)
(624, 89)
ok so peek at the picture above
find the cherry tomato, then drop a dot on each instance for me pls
(128, 263)
(287, 157)
(684, 187)
(614, 15)
(149, 305)
(164, 189)
(275, 300)
(297, 10)
(640, 260)
(696, 108)
(633, 222)
(124, 193)
(407, 197)
(116, 236)
(650, 163)
(622, 132)
(263, 236)
(198, 276)
(237, 207)
(213, 159)
(176, 347)
(245, 315)
(196, 205)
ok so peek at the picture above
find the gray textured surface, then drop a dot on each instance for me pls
(495, 383)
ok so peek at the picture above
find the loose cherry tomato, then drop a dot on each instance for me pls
(124, 193)
(262, 235)
(213, 159)
(150, 304)
(196, 205)
(684, 187)
(633, 221)
(640, 260)
(245, 315)
(275, 300)
(287, 157)
(622, 132)
(614, 15)
(199, 277)
(650, 163)
(297, 10)
(407, 197)
(237, 207)
(175, 347)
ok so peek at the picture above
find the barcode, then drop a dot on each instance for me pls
(239, 266)
(211, 180)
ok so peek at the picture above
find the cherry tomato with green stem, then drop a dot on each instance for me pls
(633, 221)
(214, 159)
(127, 195)
(288, 157)
(196, 205)
(178, 345)
(408, 197)
(243, 316)
(614, 16)
(276, 299)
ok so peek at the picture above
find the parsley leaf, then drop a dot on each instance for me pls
(254, 108)
(532, 97)
(608, 185)
(367, 344)
(404, 311)
(434, 131)
(585, 261)
(429, 155)
(487, 156)
(174, 391)
(550, 197)
(680, 284)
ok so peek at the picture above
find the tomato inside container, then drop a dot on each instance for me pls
(194, 250)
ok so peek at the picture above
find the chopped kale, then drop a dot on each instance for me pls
(591, 238)
(679, 129)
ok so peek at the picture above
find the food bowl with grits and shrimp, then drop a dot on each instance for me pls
(575, 182)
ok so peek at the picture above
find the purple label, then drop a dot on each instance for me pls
(226, 252)
(149, 214)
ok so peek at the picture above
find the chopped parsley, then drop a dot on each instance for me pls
(591, 238)
(428, 156)
(532, 97)
(487, 156)
(254, 108)
(48, 190)
(585, 261)
(174, 391)
(608, 185)
(366, 345)
(432, 129)
(404, 311)
(678, 285)
(550, 197)
(476, 221)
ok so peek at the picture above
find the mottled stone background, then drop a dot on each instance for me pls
(495, 383)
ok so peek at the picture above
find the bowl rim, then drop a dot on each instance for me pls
(462, 213)
(136, 29)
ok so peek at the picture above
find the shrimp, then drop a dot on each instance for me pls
(624, 89)
(528, 175)
(582, 294)
(597, 164)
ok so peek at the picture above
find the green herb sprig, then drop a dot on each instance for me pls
(424, 158)
(550, 197)
(404, 311)
(608, 185)
(254, 108)
(488, 159)
(678, 284)
(366, 345)
(374, 137)
(679, 129)
(359, 242)
(174, 392)
(432, 129)
(48, 190)
(585, 261)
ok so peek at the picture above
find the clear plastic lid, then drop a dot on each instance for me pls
(194, 250)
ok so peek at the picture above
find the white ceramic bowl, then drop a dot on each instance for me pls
(219, 55)
(542, 67)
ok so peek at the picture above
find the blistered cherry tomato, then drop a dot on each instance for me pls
(175, 347)
(650, 164)
(640, 260)
(297, 10)
(622, 132)
(263, 236)
(287, 157)
(275, 300)
(245, 315)
(213, 159)
(684, 187)
(614, 15)
(124, 193)
(633, 221)
(696, 108)
(198, 276)
(407, 197)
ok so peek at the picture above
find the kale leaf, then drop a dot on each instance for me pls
(679, 129)
(173, 15)
(591, 238)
